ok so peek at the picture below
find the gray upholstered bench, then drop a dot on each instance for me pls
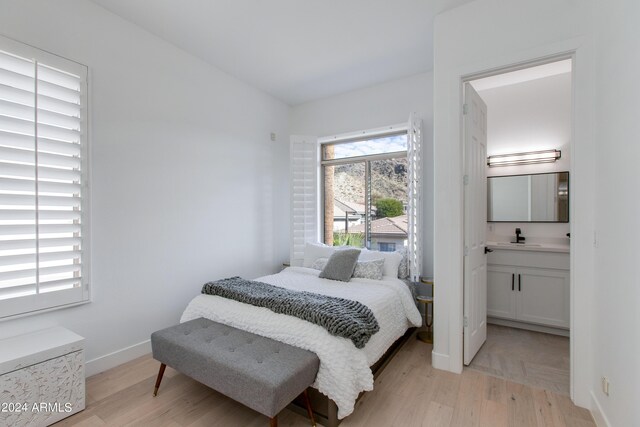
(261, 373)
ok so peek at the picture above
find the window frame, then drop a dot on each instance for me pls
(49, 301)
(377, 133)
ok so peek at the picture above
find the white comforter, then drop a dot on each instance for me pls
(344, 370)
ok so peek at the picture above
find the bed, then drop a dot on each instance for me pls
(345, 371)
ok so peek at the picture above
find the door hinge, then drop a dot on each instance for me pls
(466, 251)
(466, 322)
(465, 108)
(465, 179)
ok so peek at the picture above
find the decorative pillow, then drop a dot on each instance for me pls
(369, 269)
(340, 265)
(391, 260)
(319, 263)
(403, 268)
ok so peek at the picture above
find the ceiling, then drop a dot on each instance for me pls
(296, 50)
(523, 75)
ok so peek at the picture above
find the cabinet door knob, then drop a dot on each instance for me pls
(513, 278)
(519, 283)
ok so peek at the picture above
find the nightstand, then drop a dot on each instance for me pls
(426, 336)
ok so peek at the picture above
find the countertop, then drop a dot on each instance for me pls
(537, 247)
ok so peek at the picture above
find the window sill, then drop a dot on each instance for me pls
(44, 310)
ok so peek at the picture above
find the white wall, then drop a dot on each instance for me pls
(616, 320)
(187, 186)
(372, 107)
(530, 116)
(478, 37)
(386, 104)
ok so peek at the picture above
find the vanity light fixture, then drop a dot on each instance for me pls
(545, 156)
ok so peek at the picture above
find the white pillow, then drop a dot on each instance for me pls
(313, 251)
(391, 260)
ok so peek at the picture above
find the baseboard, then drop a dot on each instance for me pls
(598, 415)
(440, 361)
(111, 360)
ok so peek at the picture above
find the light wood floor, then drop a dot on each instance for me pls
(408, 393)
(525, 357)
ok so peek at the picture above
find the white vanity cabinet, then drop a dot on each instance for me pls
(529, 286)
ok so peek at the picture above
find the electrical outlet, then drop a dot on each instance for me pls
(605, 385)
(273, 136)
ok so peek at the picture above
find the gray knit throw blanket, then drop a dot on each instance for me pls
(341, 317)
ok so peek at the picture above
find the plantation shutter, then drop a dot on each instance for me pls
(304, 194)
(43, 261)
(414, 157)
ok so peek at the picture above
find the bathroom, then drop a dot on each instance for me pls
(528, 134)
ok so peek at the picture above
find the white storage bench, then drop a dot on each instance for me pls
(41, 377)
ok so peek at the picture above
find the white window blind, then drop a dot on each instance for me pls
(43, 185)
(414, 208)
(305, 163)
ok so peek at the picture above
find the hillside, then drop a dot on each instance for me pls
(388, 180)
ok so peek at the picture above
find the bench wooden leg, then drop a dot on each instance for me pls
(307, 402)
(273, 422)
(159, 379)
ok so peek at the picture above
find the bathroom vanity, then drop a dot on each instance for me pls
(528, 286)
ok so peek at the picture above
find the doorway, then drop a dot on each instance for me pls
(517, 131)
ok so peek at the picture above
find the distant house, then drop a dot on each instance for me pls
(387, 234)
(348, 214)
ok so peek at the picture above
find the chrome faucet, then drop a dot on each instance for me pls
(519, 238)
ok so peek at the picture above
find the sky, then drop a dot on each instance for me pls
(388, 144)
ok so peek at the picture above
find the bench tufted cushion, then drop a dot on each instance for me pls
(261, 373)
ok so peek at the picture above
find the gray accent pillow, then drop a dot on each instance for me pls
(369, 269)
(340, 265)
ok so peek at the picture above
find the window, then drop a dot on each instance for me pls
(43, 180)
(348, 189)
(386, 247)
(365, 191)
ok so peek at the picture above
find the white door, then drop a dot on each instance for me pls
(475, 223)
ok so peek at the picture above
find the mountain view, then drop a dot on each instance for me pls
(388, 181)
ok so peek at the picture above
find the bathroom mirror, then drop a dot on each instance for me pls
(528, 198)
